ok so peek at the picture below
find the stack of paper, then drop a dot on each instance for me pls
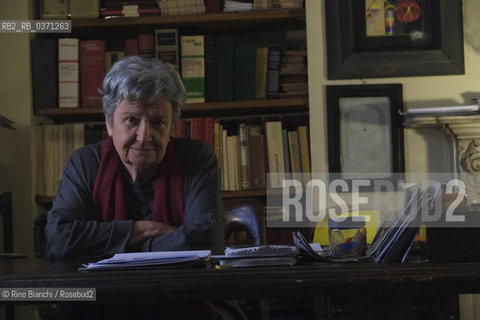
(147, 259)
(266, 255)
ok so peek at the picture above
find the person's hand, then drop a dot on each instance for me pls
(143, 230)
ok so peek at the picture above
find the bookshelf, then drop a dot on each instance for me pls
(256, 23)
(272, 106)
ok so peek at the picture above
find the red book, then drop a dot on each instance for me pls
(209, 131)
(197, 128)
(213, 6)
(180, 128)
(131, 47)
(92, 72)
(146, 45)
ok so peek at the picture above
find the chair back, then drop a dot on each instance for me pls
(244, 222)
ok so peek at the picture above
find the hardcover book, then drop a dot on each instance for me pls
(225, 45)
(92, 72)
(273, 75)
(244, 70)
(210, 68)
(44, 62)
(256, 156)
(166, 46)
(276, 164)
(261, 73)
(193, 67)
(68, 73)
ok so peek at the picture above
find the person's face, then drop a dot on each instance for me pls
(140, 135)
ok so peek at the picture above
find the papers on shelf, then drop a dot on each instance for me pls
(443, 111)
(147, 259)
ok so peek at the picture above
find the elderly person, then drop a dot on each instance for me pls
(140, 189)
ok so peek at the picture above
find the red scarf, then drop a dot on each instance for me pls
(109, 197)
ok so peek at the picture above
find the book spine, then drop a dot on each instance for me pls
(92, 72)
(295, 155)
(213, 6)
(224, 171)
(193, 67)
(210, 68)
(304, 145)
(273, 75)
(225, 45)
(276, 165)
(44, 61)
(209, 134)
(244, 165)
(131, 47)
(180, 128)
(178, 3)
(256, 157)
(261, 73)
(68, 73)
(146, 45)
(217, 127)
(194, 9)
(111, 57)
(232, 162)
(166, 46)
(286, 152)
(244, 70)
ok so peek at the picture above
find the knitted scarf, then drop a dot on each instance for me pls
(109, 197)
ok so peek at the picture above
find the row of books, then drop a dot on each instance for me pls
(252, 5)
(115, 9)
(76, 68)
(213, 67)
(54, 145)
(247, 151)
(224, 68)
(128, 9)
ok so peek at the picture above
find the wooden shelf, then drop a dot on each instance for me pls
(207, 18)
(259, 20)
(199, 109)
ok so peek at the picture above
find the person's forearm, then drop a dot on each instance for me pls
(85, 237)
(143, 230)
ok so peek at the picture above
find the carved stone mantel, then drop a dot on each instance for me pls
(464, 130)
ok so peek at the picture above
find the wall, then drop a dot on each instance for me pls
(16, 160)
(425, 150)
(16, 147)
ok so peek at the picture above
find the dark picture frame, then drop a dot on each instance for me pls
(353, 55)
(365, 132)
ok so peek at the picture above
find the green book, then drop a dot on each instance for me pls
(245, 70)
(225, 52)
(193, 67)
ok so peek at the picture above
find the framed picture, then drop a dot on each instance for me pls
(393, 38)
(365, 133)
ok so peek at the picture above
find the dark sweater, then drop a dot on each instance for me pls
(72, 230)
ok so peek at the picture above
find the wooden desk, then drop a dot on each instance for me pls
(315, 280)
